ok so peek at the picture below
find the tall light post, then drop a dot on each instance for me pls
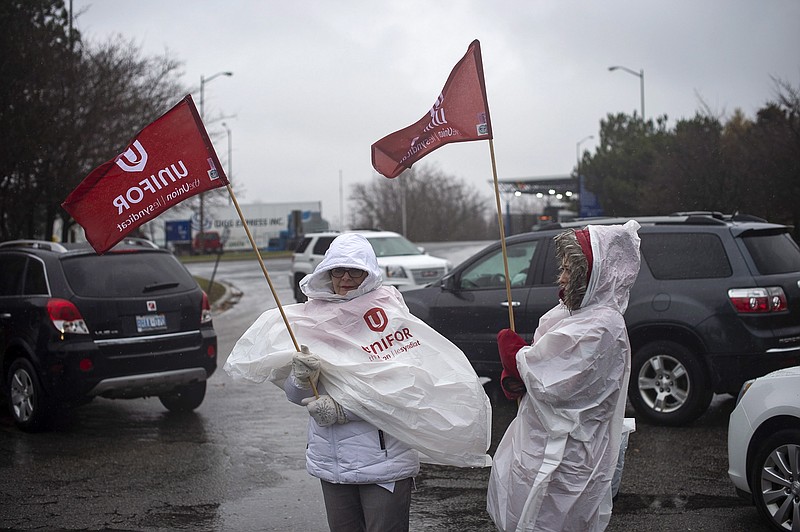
(203, 81)
(230, 159)
(578, 152)
(578, 170)
(639, 74)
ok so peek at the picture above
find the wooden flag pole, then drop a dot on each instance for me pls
(266, 275)
(502, 238)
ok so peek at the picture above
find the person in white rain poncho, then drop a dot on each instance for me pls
(392, 391)
(554, 466)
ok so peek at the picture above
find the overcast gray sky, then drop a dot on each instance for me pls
(317, 82)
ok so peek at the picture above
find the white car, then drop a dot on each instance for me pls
(764, 446)
(405, 266)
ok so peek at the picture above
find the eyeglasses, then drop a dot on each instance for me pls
(354, 273)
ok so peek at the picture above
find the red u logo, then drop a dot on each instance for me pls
(376, 319)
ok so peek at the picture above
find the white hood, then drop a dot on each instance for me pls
(615, 266)
(350, 250)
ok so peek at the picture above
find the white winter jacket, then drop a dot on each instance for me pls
(355, 452)
(554, 466)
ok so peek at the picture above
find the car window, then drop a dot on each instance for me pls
(551, 265)
(11, 270)
(773, 253)
(35, 281)
(685, 255)
(322, 245)
(126, 275)
(488, 272)
(301, 247)
(392, 246)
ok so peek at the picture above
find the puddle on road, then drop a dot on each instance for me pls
(181, 517)
(630, 504)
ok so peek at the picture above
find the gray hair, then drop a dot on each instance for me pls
(569, 251)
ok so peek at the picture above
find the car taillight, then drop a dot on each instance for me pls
(66, 317)
(758, 300)
(205, 313)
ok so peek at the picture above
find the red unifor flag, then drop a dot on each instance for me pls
(169, 161)
(460, 114)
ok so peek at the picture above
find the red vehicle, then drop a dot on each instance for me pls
(207, 242)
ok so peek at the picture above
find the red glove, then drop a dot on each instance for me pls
(508, 344)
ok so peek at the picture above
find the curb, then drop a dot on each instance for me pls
(228, 299)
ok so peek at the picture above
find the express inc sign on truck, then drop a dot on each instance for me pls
(274, 226)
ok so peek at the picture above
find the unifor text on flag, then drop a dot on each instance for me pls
(168, 161)
(460, 113)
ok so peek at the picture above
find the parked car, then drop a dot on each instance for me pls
(404, 265)
(717, 302)
(207, 242)
(764, 446)
(75, 325)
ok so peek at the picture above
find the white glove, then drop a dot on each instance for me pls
(325, 410)
(305, 367)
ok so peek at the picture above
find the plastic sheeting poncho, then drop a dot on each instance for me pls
(377, 360)
(554, 466)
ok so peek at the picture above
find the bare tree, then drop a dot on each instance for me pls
(437, 206)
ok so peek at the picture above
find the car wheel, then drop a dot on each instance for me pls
(775, 479)
(299, 296)
(669, 385)
(186, 398)
(27, 400)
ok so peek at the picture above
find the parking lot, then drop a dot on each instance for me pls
(237, 462)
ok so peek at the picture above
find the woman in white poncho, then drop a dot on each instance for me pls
(553, 468)
(391, 390)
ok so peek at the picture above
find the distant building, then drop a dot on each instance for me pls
(272, 225)
(532, 201)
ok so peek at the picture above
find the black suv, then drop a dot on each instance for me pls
(717, 302)
(75, 325)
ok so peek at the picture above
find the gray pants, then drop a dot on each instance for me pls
(367, 507)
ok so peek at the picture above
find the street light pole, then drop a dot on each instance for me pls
(230, 159)
(203, 81)
(578, 170)
(639, 74)
(578, 152)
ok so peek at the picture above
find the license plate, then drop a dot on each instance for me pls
(151, 322)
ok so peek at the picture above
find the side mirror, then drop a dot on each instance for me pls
(448, 282)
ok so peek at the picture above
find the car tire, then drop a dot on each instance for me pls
(186, 398)
(669, 385)
(28, 402)
(299, 296)
(774, 476)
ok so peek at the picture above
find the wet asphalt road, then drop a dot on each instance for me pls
(237, 462)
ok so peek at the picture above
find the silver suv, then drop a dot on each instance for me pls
(404, 265)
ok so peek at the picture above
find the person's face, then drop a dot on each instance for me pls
(346, 279)
(563, 277)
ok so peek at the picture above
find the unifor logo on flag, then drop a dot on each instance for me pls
(460, 114)
(170, 160)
